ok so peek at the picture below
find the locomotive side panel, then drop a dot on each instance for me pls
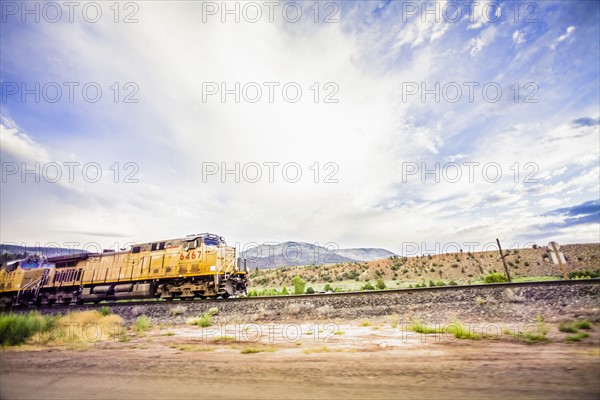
(199, 265)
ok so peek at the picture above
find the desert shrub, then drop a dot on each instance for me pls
(368, 286)
(567, 328)
(205, 321)
(584, 324)
(328, 288)
(380, 284)
(584, 274)
(540, 334)
(104, 311)
(452, 283)
(142, 324)
(578, 337)
(310, 290)
(213, 311)
(495, 278)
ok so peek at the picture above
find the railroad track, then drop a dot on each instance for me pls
(125, 303)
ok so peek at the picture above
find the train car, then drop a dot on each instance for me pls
(197, 266)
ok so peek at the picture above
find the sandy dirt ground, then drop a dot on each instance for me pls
(303, 361)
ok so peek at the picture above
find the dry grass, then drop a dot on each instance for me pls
(258, 349)
(83, 328)
(192, 347)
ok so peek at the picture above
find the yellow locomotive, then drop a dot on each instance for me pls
(200, 265)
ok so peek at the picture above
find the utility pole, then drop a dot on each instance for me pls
(503, 261)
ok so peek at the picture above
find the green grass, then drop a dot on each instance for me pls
(495, 278)
(15, 329)
(142, 324)
(455, 328)
(205, 321)
(536, 278)
(567, 327)
(584, 324)
(574, 326)
(531, 338)
(105, 310)
(578, 337)
(539, 336)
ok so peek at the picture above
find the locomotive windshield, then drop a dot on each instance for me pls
(211, 241)
(30, 262)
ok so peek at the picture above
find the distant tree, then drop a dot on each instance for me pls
(299, 285)
(380, 284)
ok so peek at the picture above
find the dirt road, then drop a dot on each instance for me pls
(363, 362)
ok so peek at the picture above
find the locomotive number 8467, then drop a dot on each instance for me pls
(200, 265)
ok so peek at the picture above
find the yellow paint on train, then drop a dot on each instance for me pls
(198, 265)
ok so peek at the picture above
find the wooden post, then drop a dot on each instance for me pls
(554, 247)
(503, 261)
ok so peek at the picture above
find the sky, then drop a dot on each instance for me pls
(409, 126)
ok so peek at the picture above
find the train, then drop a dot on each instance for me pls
(196, 266)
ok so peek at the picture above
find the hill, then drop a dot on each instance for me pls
(462, 268)
(267, 256)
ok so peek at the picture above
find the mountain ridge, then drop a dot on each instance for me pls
(293, 253)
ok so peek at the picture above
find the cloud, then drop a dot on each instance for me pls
(585, 121)
(568, 33)
(477, 44)
(16, 143)
(369, 135)
(482, 13)
(518, 37)
(563, 37)
(582, 213)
